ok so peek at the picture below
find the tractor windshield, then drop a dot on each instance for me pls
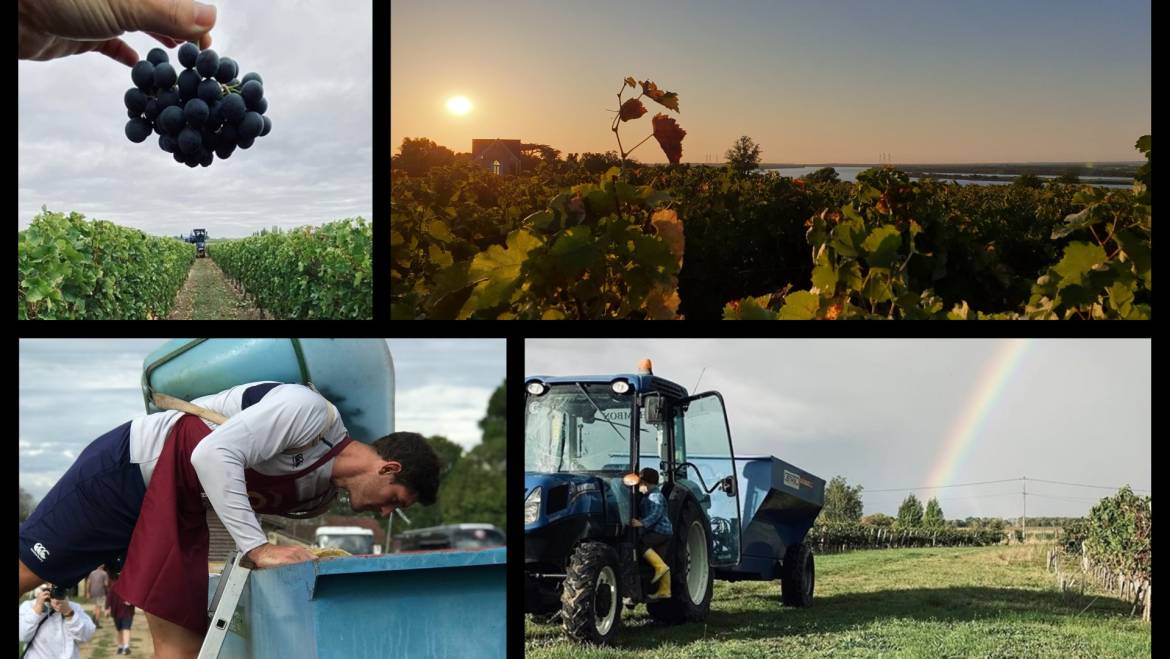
(578, 427)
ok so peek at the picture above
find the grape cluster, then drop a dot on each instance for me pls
(199, 113)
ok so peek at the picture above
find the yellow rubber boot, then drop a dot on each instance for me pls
(663, 592)
(660, 567)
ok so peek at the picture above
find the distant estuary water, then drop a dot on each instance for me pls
(850, 174)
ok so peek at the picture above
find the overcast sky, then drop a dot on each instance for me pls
(314, 167)
(72, 391)
(878, 411)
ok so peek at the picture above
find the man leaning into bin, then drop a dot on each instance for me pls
(137, 490)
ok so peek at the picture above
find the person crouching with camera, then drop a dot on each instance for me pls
(51, 626)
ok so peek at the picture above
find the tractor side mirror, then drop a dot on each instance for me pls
(728, 486)
(652, 410)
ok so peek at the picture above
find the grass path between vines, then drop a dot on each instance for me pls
(933, 602)
(207, 295)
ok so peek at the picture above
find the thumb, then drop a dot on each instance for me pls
(182, 19)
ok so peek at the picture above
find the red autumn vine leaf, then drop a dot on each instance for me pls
(669, 135)
(632, 109)
(666, 99)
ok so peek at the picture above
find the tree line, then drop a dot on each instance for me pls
(843, 505)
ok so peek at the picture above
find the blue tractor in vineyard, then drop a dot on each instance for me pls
(733, 517)
(199, 237)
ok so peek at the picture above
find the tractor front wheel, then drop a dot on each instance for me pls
(690, 573)
(591, 598)
(797, 576)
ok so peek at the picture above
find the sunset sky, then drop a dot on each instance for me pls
(811, 82)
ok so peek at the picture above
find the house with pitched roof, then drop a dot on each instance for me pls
(497, 156)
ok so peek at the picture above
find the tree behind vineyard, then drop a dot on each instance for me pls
(842, 503)
(934, 514)
(880, 520)
(744, 155)
(910, 512)
(474, 489)
(417, 156)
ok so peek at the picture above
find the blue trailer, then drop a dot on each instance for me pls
(733, 518)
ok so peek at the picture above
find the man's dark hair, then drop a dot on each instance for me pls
(650, 476)
(420, 463)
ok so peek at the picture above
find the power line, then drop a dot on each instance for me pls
(1049, 496)
(1099, 487)
(1007, 480)
(935, 487)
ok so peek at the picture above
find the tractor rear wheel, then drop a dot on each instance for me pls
(797, 576)
(591, 598)
(690, 573)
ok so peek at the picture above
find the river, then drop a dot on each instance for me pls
(850, 174)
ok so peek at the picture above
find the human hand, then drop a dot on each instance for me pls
(61, 606)
(58, 28)
(635, 522)
(270, 555)
(42, 597)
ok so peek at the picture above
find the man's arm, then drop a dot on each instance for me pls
(653, 511)
(28, 621)
(286, 417)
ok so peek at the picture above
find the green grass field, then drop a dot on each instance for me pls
(941, 602)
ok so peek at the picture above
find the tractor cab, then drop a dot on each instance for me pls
(585, 440)
(199, 237)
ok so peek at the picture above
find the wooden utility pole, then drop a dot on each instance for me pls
(1025, 519)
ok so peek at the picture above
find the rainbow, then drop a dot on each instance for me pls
(988, 387)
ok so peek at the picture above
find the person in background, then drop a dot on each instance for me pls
(95, 588)
(122, 612)
(52, 628)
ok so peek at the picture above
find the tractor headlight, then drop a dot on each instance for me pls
(532, 507)
(536, 388)
(621, 386)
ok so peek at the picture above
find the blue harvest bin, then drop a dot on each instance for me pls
(356, 375)
(418, 604)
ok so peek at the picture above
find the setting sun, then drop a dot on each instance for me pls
(459, 105)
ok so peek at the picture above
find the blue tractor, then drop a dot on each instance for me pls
(199, 237)
(734, 518)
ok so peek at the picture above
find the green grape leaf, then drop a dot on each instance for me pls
(882, 245)
(750, 308)
(1077, 263)
(801, 305)
(438, 230)
(439, 256)
(496, 270)
(849, 275)
(1121, 296)
(1075, 222)
(574, 252)
(847, 238)
(824, 275)
(877, 289)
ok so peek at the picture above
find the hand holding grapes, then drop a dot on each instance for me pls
(50, 29)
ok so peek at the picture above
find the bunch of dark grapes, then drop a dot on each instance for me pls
(199, 113)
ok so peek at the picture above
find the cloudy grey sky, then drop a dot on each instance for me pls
(314, 167)
(72, 391)
(877, 411)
